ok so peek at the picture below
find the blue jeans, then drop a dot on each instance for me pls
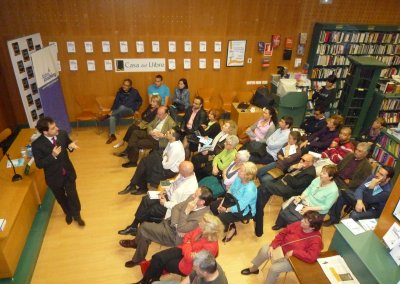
(262, 174)
(121, 111)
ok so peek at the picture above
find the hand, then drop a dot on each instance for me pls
(289, 254)
(162, 199)
(270, 252)
(280, 157)
(304, 210)
(347, 181)
(56, 151)
(360, 207)
(304, 144)
(73, 145)
(204, 126)
(204, 153)
(374, 182)
(222, 209)
(297, 200)
(215, 171)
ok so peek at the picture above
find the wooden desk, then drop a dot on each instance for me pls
(310, 272)
(244, 118)
(18, 205)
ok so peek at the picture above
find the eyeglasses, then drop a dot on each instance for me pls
(304, 160)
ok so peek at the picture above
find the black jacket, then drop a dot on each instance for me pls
(199, 119)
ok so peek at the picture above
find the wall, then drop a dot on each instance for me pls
(164, 20)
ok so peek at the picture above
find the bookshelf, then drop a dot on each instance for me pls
(332, 44)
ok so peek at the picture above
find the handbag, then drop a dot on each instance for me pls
(229, 201)
(275, 173)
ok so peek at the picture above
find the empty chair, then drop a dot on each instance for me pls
(87, 105)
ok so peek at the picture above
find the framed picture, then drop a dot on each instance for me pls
(236, 53)
(396, 212)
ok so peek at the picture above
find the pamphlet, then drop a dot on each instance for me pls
(368, 224)
(392, 236)
(353, 226)
(336, 270)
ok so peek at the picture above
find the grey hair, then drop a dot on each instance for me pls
(243, 155)
(205, 261)
(364, 146)
(233, 140)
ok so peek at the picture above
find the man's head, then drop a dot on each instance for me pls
(186, 168)
(286, 122)
(204, 264)
(345, 134)
(158, 81)
(384, 174)
(361, 151)
(126, 85)
(307, 160)
(162, 112)
(47, 126)
(173, 135)
(331, 80)
(319, 112)
(204, 196)
(198, 102)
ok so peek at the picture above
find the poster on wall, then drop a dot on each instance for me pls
(236, 52)
(20, 51)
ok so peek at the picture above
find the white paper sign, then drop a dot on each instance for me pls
(91, 65)
(187, 46)
(139, 46)
(106, 47)
(71, 47)
(108, 66)
(55, 44)
(297, 62)
(155, 46)
(123, 46)
(186, 63)
(172, 46)
(73, 65)
(140, 65)
(217, 46)
(171, 64)
(88, 47)
(202, 63)
(202, 46)
(217, 63)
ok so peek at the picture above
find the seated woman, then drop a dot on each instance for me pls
(219, 185)
(301, 239)
(244, 192)
(221, 161)
(289, 155)
(259, 132)
(319, 196)
(179, 259)
(180, 99)
(147, 116)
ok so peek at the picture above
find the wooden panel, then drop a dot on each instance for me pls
(164, 20)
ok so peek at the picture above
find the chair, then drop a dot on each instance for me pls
(3, 136)
(243, 96)
(206, 94)
(87, 104)
(227, 98)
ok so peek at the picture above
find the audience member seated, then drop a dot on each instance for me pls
(325, 96)
(319, 196)
(368, 200)
(147, 116)
(221, 161)
(149, 137)
(293, 183)
(301, 239)
(127, 102)
(354, 168)
(289, 155)
(319, 141)
(185, 217)
(258, 133)
(184, 185)
(268, 153)
(243, 204)
(209, 130)
(158, 88)
(180, 99)
(194, 117)
(339, 148)
(219, 185)
(316, 122)
(157, 165)
(179, 259)
(372, 134)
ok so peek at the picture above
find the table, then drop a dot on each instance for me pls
(19, 203)
(244, 118)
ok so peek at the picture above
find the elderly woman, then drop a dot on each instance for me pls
(244, 191)
(179, 259)
(319, 196)
(301, 239)
(220, 185)
(220, 162)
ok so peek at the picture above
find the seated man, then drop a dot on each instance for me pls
(158, 88)
(268, 154)
(127, 102)
(293, 183)
(148, 138)
(157, 166)
(316, 122)
(184, 185)
(369, 199)
(185, 217)
(194, 116)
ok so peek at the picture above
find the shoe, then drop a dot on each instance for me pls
(121, 154)
(131, 263)
(119, 144)
(276, 227)
(129, 165)
(225, 239)
(128, 231)
(111, 139)
(247, 271)
(128, 243)
(68, 219)
(328, 223)
(139, 192)
(80, 222)
(104, 117)
(127, 189)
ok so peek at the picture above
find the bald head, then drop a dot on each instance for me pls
(307, 160)
(186, 168)
(162, 112)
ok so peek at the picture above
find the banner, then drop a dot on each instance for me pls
(140, 65)
(46, 71)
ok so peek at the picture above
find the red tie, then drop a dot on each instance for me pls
(54, 141)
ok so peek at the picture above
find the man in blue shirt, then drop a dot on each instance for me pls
(158, 88)
(127, 102)
(368, 200)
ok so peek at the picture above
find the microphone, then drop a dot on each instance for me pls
(16, 176)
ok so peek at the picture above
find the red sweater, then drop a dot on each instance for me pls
(337, 154)
(307, 250)
(191, 243)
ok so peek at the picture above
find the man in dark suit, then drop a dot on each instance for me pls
(50, 153)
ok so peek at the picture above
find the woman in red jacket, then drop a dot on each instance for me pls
(301, 239)
(179, 259)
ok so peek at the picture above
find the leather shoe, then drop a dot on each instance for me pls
(276, 227)
(128, 231)
(247, 271)
(226, 239)
(121, 154)
(80, 222)
(111, 139)
(139, 192)
(131, 263)
(129, 165)
(127, 189)
(128, 243)
(68, 219)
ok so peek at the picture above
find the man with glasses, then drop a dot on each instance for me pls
(293, 183)
(158, 88)
(316, 122)
(194, 116)
(127, 102)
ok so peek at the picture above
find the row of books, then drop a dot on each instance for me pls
(389, 87)
(359, 37)
(391, 104)
(332, 60)
(356, 48)
(390, 117)
(323, 73)
(389, 145)
(389, 72)
(389, 59)
(383, 157)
